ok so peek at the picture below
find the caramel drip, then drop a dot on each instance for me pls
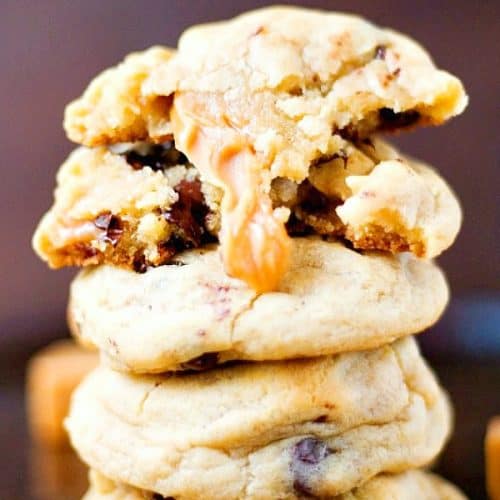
(254, 243)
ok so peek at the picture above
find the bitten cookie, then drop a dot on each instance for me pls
(139, 205)
(316, 427)
(268, 95)
(191, 315)
(300, 73)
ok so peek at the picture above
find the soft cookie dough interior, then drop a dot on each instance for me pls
(139, 205)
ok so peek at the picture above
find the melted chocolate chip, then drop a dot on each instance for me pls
(380, 51)
(139, 263)
(188, 213)
(157, 496)
(159, 157)
(167, 249)
(111, 225)
(204, 362)
(302, 489)
(310, 451)
(392, 121)
(306, 455)
(87, 251)
(321, 419)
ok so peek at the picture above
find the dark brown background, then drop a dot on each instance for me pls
(50, 49)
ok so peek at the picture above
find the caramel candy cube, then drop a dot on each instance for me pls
(52, 375)
(492, 449)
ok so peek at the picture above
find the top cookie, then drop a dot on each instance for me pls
(266, 95)
(314, 71)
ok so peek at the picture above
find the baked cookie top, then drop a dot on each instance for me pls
(113, 108)
(329, 69)
(191, 315)
(139, 205)
(410, 485)
(263, 96)
(319, 427)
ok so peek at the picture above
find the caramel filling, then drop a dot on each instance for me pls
(254, 243)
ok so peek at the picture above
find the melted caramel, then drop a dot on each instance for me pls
(254, 243)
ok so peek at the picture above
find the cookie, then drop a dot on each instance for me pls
(317, 70)
(141, 205)
(110, 208)
(112, 105)
(317, 427)
(270, 93)
(411, 485)
(191, 314)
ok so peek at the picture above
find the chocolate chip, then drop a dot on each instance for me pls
(296, 227)
(313, 205)
(201, 363)
(159, 157)
(301, 487)
(296, 91)
(88, 252)
(188, 213)
(112, 225)
(167, 249)
(102, 221)
(310, 451)
(380, 51)
(314, 201)
(321, 419)
(349, 133)
(157, 496)
(392, 121)
(176, 262)
(139, 263)
(306, 455)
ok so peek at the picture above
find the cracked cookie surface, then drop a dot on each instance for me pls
(411, 485)
(139, 205)
(319, 427)
(318, 71)
(331, 300)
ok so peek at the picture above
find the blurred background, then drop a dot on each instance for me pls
(49, 50)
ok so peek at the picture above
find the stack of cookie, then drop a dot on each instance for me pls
(256, 261)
